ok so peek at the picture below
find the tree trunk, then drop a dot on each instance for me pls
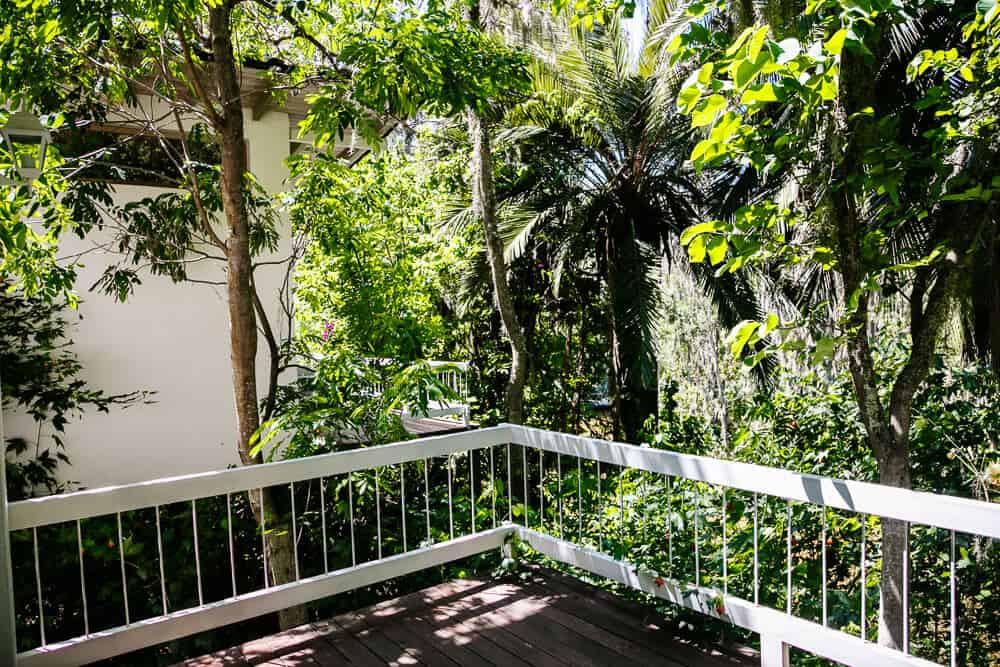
(484, 204)
(894, 470)
(239, 267)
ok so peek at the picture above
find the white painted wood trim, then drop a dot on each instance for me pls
(929, 509)
(101, 645)
(108, 500)
(773, 652)
(777, 626)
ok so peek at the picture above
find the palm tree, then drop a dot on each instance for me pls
(607, 190)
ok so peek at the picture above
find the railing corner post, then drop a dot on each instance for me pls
(773, 651)
(509, 430)
(509, 551)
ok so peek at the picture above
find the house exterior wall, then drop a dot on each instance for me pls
(170, 338)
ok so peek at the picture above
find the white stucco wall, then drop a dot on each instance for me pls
(169, 338)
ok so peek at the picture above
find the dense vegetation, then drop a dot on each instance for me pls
(757, 231)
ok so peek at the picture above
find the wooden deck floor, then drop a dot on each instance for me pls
(549, 620)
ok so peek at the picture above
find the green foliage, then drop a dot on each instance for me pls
(348, 402)
(375, 278)
(79, 63)
(429, 60)
(164, 233)
(775, 102)
(590, 13)
(810, 423)
(603, 190)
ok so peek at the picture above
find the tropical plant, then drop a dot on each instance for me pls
(606, 191)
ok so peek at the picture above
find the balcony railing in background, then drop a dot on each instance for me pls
(714, 536)
(452, 374)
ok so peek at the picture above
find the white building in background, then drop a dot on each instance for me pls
(172, 339)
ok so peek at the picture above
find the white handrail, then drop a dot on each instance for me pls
(36, 512)
(929, 509)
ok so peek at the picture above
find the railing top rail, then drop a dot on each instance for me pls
(108, 500)
(941, 511)
(929, 509)
(433, 363)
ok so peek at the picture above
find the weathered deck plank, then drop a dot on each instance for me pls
(549, 620)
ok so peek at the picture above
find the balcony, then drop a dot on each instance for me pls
(687, 530)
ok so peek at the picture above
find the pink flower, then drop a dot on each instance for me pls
(329, 328)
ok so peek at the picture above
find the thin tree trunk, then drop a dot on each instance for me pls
(565, 372)
(720, 385)
(580, 362)
(484, 205)
(239, 267)
(614, 378)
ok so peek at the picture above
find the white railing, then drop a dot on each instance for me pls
(564, 496)
(452, 374)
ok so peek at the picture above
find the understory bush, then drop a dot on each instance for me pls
(810, 423)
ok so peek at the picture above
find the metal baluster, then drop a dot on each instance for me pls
(788, 556)
(541, 490)
(451, 510)
(493, 488)
(472, 490)
(579, 499)
(121, 559)
(953, 595)
(756, 565)
(670, 528)
(263, 535)
(621, 507)
(864, 579)
(823, 539)
(600, 510)
(322, 520)
(378, 514)
(906, 590)
(644, 495)
(229, 531)
(350, 515)
(197, 554)
(38, 584)
(427, 500)
(697, 555)
(159, 551)
(559, 492)
(725, 546)
(402, 497)
(83, 581)
(510, 489)
(524, 470)
(295, 530)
